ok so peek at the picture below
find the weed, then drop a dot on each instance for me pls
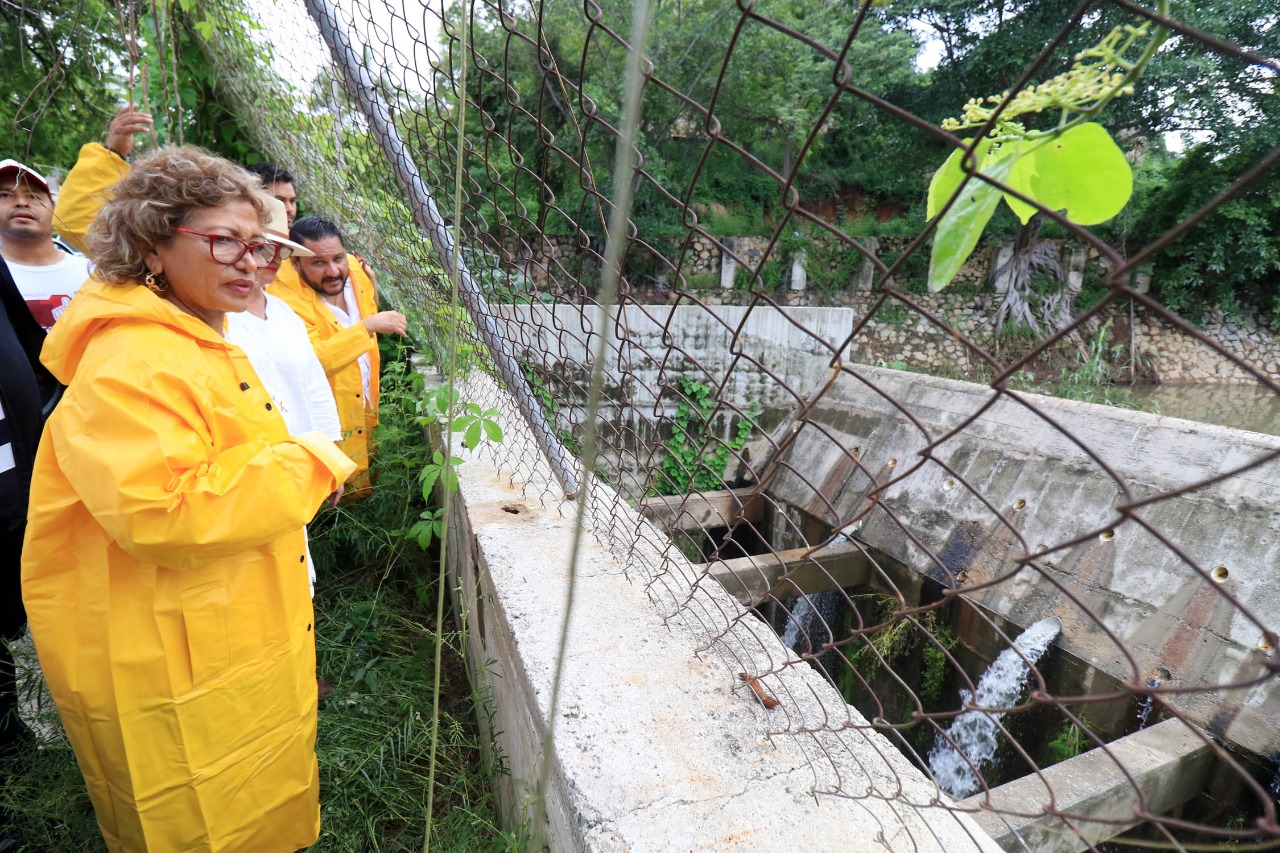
(898, 641)
(1069, 742)
(1012, 332)
(705, 280)
(893, 314)
(375, 731)
(695, 459)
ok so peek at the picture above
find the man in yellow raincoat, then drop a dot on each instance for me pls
(163, 569)
(338, 304)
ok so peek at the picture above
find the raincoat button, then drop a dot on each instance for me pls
(308, 626)
(244, 386)
(302, 559)
(268, 407)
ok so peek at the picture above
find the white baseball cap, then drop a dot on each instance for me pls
(32, 174)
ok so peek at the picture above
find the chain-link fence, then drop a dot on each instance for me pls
(1018, 590)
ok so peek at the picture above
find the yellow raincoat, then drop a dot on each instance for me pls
(83, 191)
(165, 580)
(339, 349)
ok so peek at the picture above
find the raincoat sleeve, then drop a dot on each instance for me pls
(338, 352)
(143, 462)
(84, 191)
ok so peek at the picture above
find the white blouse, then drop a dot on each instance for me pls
(281, 354)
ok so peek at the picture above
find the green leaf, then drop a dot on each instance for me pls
(949, 177)
(961, 227)
(472, 436)
(492, 430)
(1082, 172)
(205, 28)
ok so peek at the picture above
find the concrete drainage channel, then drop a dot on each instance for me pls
(658, 746)
(1047, 486)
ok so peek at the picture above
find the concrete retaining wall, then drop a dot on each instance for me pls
(1047, 496)
(658, 745)
(795, 344)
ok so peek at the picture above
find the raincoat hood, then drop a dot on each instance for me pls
(97, 306)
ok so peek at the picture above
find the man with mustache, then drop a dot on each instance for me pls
(338, 303)
(47, 277)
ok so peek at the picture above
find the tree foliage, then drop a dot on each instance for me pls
(71, 64)
(59, 93)
(544, 94)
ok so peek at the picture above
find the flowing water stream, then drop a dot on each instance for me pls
(976, 733)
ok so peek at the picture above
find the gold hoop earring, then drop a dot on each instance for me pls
(157, 285)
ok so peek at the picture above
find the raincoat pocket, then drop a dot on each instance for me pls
(204, 616)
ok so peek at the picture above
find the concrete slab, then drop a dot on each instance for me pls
(1152, 771)
(700, 511)
(1153, 539)
(787, 574)
(658, 743)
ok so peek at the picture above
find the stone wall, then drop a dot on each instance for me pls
(1178, 358)
(1149, 346)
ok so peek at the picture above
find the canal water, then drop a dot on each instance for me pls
(1250, 407)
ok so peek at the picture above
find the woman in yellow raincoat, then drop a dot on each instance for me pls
(164, 567)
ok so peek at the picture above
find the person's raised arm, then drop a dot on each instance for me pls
(98, 168)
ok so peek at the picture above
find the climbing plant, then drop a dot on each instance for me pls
(441, 407)
(696, 459)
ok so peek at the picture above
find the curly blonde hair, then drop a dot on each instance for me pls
(160, 193)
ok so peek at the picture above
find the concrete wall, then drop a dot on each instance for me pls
(658, 745)
(795, 344)
(1187, 583)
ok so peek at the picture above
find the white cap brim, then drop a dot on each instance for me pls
(6, 165)
(299, 251)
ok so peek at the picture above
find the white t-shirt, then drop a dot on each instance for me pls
(281, 353)
(48, 289)
(348, 320)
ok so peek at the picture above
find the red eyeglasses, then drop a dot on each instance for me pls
(228, 250)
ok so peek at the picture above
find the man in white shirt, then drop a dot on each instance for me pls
(275, 341)
(46, 276)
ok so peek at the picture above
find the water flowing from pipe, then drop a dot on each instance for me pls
(976, 732)
(1144, 707)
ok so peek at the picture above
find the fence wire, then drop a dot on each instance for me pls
(898, 532)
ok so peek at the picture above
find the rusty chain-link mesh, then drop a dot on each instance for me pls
(898, 531)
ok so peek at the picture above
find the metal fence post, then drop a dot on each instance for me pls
(428, 218)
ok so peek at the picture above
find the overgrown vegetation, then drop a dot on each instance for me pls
(696, 459)
(1068, 742)
(897, 642)
(376, 643)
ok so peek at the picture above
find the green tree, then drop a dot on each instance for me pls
(56, 98)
